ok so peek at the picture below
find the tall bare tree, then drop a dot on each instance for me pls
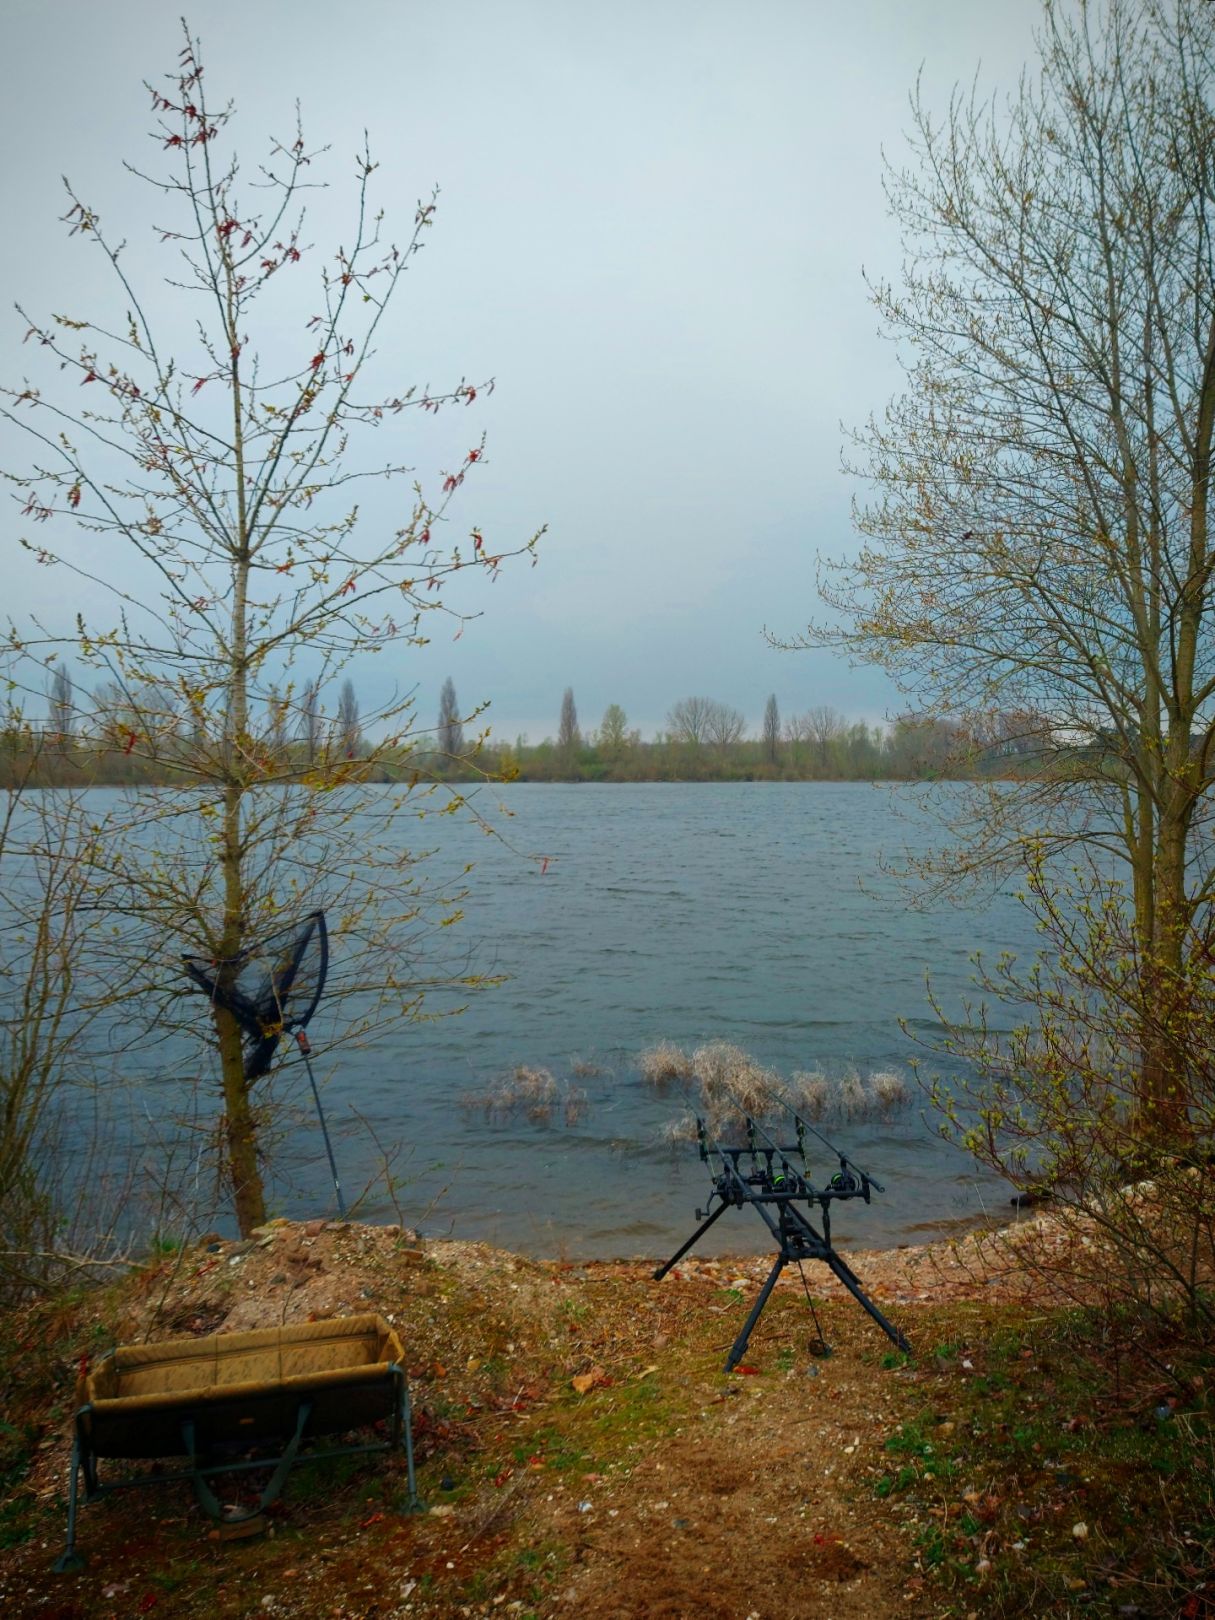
(219, 481)
(613, 736)
(1040, 537)
(451, 726)
(348, 725)
(724, 725)
(688, 719)
(61, 715)
(771, 730)
(310, 724)
(569, 738)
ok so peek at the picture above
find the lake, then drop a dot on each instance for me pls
(753, 913)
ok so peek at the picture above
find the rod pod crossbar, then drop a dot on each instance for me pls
(775, 1189)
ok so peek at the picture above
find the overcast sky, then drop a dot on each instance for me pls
(652, 228)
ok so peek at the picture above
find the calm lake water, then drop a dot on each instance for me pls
(753, 913)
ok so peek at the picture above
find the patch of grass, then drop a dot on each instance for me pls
(17, 1522)
(1030, 1481)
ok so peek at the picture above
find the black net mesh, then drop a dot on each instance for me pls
(271, 988)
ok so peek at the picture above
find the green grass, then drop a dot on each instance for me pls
(1031, 1480)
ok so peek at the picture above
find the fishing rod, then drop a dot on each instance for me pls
(776, 1191)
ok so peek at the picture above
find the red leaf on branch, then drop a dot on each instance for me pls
(198, 384)
(348, 587)
(474, 455)
(477, 540)
(74, 495)
(174, 140)
(91, 377)
(130, 742)
(317, 360)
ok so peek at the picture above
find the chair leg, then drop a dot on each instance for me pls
(414, 1504)
(70, 1560)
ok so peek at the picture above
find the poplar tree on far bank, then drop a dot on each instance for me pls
(569, 738)
(771, 730)
(451, 726)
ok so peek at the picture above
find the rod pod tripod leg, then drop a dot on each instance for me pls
(853, 1284)
(695, 1238)
(739, 1346)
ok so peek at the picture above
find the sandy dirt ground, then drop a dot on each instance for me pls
(582, 1450)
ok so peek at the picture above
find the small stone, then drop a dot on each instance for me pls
(1080, 1531)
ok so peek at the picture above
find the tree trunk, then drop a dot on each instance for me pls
(248, 1194)
(1164, 1076)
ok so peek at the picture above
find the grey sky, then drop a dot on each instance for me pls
(653, 222)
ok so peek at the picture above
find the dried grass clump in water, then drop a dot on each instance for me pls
(533, 1094)
(586, 1069)
(678, 1131)
(809, 1094)
(890, 1091)
(664, 1063)
(732, 1085)
(852, 1100)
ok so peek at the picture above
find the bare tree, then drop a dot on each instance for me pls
(569, 738)
(613, 736)
(1041, 534)
(311, 724)
(277, 728)
(771, 729)
(823, 727)
(225, 471)
(451, 726)
(61, 709)
(687, 720)
(723, 725)
(348, 726)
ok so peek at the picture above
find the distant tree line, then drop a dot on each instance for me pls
(116, 736)
(706, 740)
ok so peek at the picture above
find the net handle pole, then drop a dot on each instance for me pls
(301, 1040)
